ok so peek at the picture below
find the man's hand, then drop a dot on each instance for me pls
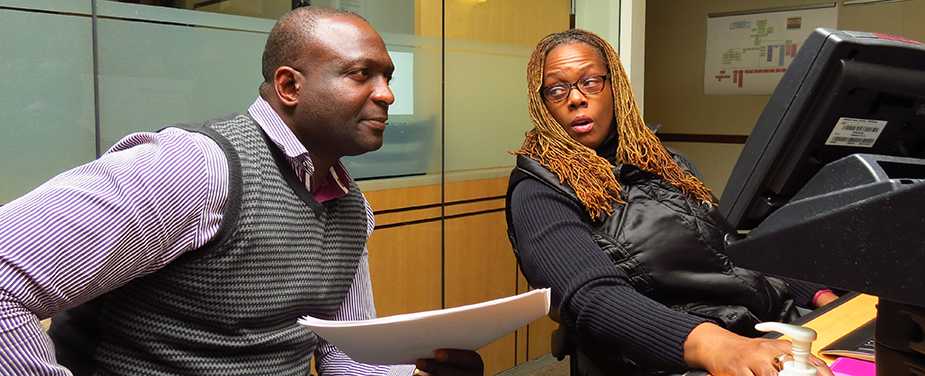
(723, 353)
(448, 362)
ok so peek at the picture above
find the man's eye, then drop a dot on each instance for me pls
(360, 74)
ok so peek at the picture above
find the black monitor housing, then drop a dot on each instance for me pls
(844, 93)
(830, 186)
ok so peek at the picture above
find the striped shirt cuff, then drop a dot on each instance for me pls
(403, 370)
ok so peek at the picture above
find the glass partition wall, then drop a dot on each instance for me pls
(487, 47)
(77, 75)
(46, 92)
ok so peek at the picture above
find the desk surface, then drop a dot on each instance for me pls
(841, 320)
(829, 326)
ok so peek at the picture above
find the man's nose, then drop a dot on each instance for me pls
(382, 93)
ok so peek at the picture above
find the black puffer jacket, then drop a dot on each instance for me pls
(671, 249)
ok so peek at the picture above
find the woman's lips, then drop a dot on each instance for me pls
(582, 124)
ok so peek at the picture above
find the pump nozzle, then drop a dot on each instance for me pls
(802, 342)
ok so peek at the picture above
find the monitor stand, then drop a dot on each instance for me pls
(858, 225)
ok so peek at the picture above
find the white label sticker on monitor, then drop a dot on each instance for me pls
(856, 132)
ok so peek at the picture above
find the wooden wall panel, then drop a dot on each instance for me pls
(397, 218)
(475, 189)
(399, 198)
(539, 337)
(477, 206)
(480, 266)
(521, 22)
(538, 333)
(520, 345)
(404, 263)
(522, 333)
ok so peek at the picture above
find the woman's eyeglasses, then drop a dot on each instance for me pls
(586, 85)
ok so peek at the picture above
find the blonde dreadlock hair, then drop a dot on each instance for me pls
(589, 175)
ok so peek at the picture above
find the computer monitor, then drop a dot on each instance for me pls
(844, 93)
(831, 183)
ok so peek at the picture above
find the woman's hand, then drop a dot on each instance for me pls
(822, 369)
(723, 353)
(824, 297)
(449, 362)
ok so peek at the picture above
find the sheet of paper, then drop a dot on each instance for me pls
(402, 339)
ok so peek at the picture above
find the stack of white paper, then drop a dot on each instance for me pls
(402, 339)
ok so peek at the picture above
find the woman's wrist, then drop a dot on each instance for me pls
(701, 343)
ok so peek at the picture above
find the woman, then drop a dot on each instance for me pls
(626, 236)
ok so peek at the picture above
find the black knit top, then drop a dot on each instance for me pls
(556, 250)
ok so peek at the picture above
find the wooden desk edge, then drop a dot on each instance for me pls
(841, 320)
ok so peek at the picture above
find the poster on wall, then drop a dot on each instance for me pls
(748, 52)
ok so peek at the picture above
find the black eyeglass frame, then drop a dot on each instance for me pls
(574, 85)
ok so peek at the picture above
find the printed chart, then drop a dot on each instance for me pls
(748, 53)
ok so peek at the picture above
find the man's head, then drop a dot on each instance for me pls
(327, 73)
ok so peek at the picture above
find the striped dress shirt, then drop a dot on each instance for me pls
(92, 229)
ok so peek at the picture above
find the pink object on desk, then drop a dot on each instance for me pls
(853, 367)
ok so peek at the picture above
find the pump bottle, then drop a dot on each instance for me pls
(802, 342)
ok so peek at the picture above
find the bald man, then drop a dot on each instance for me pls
(193, 250)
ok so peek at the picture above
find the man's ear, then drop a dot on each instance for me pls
(287, 84)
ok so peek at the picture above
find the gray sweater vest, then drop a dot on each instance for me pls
(230, 308)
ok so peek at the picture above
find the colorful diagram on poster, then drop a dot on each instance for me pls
(749, 53)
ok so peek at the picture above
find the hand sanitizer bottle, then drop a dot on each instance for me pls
(802, 341)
